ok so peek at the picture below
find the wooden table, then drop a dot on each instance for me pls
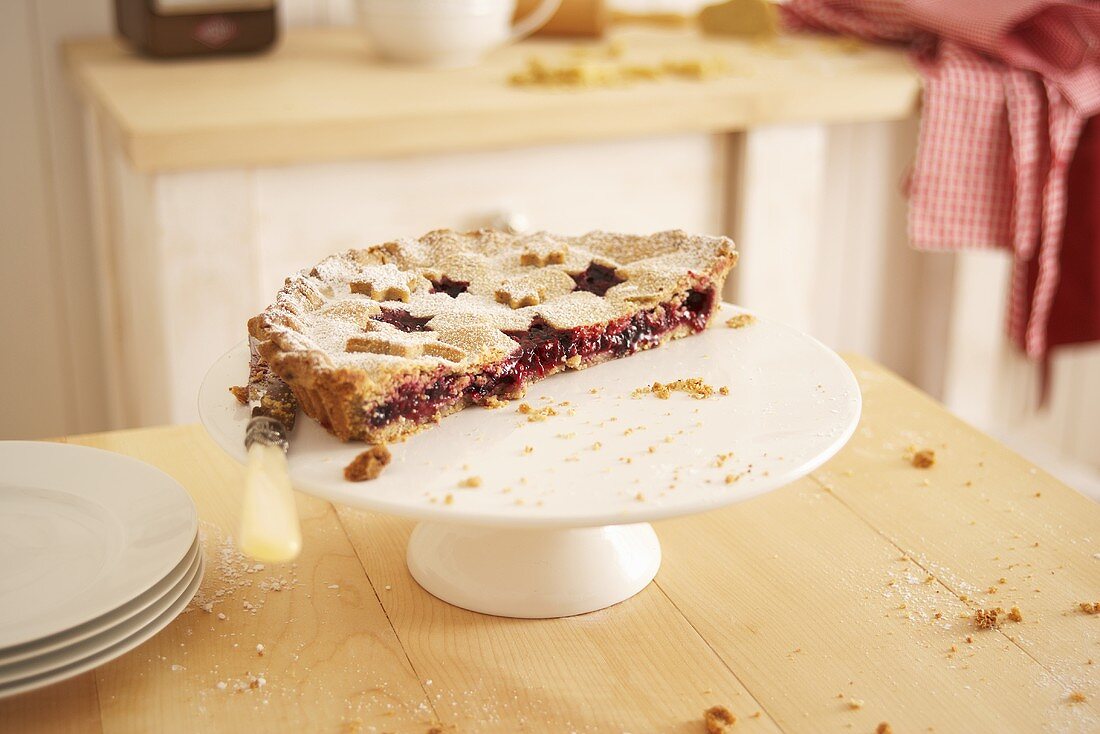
(834, 604)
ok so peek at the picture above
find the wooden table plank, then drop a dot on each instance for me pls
(636, 667)
(320, 96)
(68, 707)
(331, 658)
(792, 591)
(979, 515)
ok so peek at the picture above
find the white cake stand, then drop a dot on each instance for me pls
(558, 523)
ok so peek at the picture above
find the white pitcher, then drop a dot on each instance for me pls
(447, 33)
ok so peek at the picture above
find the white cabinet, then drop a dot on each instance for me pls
(216, 179)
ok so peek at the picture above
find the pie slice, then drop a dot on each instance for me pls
(379, 343)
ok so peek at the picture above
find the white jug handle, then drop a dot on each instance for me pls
(534, 20)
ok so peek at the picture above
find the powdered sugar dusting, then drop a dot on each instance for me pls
(233, 580)
(511, 281)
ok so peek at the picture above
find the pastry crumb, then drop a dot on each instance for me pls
(1015, 614)
(923, 459)
(884, 728)
(535, 415)
(589, 71)
(240, 392)
(988, 618)
(855, 703)
(1089, 607)
(693, 386)
(449, 499)
(368, 464)
(1077, 697)
(470, 482)
(717, 719)
(741, 320)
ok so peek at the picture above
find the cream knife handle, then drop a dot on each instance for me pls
(270, 531)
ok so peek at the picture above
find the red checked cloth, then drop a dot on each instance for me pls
(1075, 311)
(1008, 85)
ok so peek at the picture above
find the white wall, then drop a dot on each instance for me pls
(51, 362)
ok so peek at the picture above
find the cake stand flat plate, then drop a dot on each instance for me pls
(608, 456)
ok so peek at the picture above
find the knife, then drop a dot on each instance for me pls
(269, 530)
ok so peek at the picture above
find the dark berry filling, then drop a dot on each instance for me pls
(451, 287)
(597, 279)
(542, 349)
(403, 320)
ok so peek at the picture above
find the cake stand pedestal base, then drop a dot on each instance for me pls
(530, 572)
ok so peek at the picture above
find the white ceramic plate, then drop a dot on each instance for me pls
(93, 658)
(105, 639)
(130, 609)
(792, 404)
(82, 532)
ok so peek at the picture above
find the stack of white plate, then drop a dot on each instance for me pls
(98, 553)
